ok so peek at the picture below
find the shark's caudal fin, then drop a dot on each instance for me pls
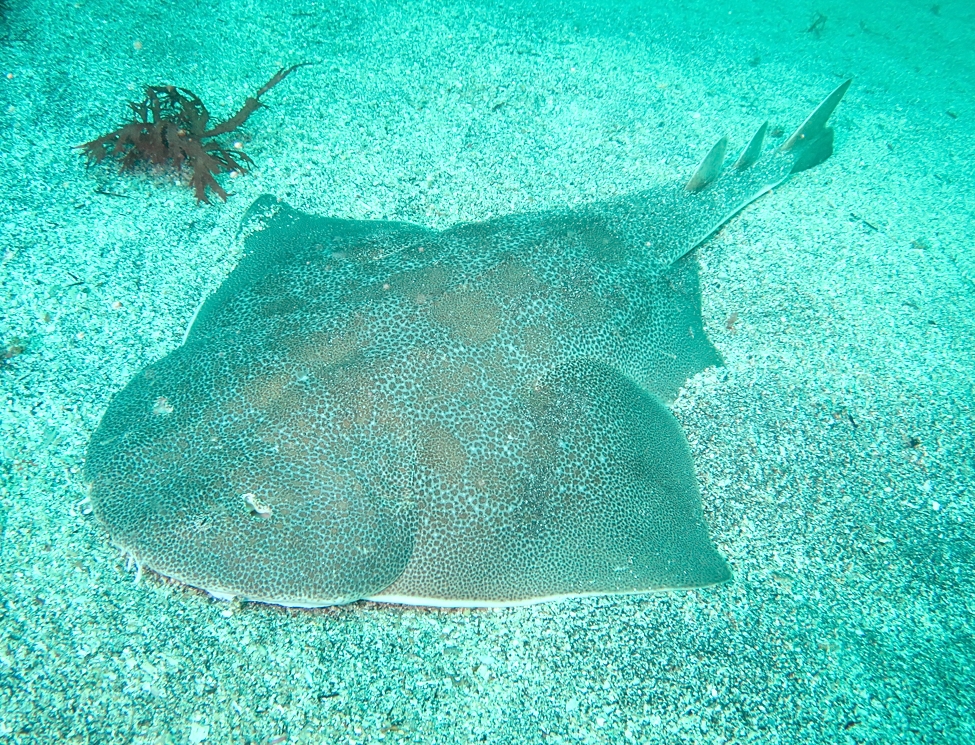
(812, 143)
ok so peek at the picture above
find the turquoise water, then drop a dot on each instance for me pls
(834, 448)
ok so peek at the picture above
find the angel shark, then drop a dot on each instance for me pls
(468, 417)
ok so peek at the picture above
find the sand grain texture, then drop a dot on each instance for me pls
(834, 449)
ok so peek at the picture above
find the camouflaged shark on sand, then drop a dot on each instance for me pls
(469, 417)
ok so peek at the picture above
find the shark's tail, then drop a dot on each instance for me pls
(665, 223)
(714, 195)
(809, 145)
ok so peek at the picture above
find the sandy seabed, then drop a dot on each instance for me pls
(835, 448)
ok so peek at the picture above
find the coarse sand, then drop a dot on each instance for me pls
(835, 448)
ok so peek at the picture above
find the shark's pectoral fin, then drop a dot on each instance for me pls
(625, 508)
(601, 498)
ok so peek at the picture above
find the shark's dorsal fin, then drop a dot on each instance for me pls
(753, 150)
(710, 167)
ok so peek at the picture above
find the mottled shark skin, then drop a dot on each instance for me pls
(468, 417)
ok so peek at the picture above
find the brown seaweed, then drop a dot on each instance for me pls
(171, 128)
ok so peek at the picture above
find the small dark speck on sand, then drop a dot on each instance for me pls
(817, 24)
